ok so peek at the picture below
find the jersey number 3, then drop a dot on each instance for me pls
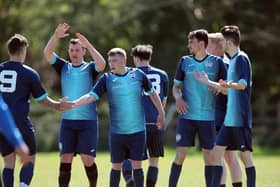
(8, 80)
(155, 79)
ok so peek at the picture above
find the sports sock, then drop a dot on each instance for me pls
(217, 175)
(8, 177)
(208, 175)
(152, 176)
(26, 173)
(92, 174)
(64, 174)
(237, 184)
(138, 176)
(174, 174)
(127, 170)
(251, 176)
(115, 176)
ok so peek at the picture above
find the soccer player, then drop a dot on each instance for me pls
(124, 87)
(18, 82)
(215, 47)
(79, 126)
(142, 57)
(195, 103)
(236, 133)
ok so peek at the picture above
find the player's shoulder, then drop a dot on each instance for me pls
(187, 57)
(29, 69)
(159, 71)
(242, 56)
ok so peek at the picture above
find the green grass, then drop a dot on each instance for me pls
(46, 171)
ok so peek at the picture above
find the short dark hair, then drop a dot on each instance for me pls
(231, 32)
(117, 51)
(200, 35)
(75, 41)
(16, 43)
(144, 52)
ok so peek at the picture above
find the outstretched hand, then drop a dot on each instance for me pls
(201, 77)
(61, 30)
(65, 105)
(83, 40)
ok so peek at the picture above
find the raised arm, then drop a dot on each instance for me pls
(98, 58)
(157, 102)
(60, 32)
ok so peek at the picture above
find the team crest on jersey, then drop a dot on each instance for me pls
(132, 75)
(208, 64)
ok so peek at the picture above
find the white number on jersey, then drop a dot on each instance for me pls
(155, 79)
(8, 80)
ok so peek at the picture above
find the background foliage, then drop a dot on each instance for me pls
(162, 23)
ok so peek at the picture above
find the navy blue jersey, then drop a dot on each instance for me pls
(75, 82)
(18, 82)
(125, 97)
(200, 100)
(7, 125)
(159, 80)
(221, 99)
(239, 111)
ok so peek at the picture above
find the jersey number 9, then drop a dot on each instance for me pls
(8, 80)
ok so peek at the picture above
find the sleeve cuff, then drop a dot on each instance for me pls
(150, 91)
(53, 59)
(177, 81)
(243, 81)
(42, 97)
(94, 95)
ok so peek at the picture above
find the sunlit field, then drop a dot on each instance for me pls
(46, 171)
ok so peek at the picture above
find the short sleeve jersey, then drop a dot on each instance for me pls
(239, 111)
(200, 100)
(125, 97)
(75, 82)
(18, 82)
(160, 82)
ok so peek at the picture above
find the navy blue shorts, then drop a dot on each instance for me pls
(127, 146)
(154, 144)
(187, 130)
(78, 136)
(219, 118)
(29, 138)
(235, 138)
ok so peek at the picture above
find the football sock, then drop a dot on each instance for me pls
(26, 173)
(127, 170)
(138, 176)
(208, 175)
(151, 176)
(8, 177)
(115, 178)
(64, 174)
(251, 176)
(217, 175)
(237, 184)
(92, 174)
(174, 174)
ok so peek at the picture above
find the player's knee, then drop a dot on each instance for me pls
(87, 160)
(66, 158)
(179, 158)
(10, 160)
